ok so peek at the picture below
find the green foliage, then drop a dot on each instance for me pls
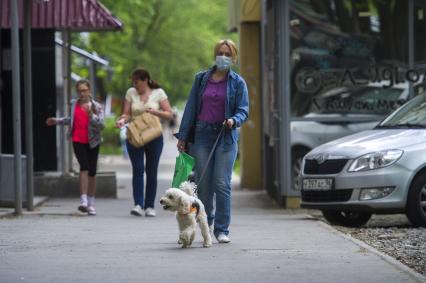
(110, 150)
(110, 138)
(172, 39)
(110, 134)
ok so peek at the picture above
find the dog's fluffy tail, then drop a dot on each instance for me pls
(188, 187)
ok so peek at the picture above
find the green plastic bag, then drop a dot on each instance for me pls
(183, 167)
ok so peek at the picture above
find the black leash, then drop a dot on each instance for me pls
(209, 158)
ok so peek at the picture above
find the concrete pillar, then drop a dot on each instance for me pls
(250, 142)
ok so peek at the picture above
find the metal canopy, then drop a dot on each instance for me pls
(73, 15)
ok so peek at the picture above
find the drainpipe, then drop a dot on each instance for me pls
(28, 88)
(411, 46)
(284, 88)
(65, 154)
(16, 93)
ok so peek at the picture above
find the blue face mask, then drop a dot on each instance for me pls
(223, 62)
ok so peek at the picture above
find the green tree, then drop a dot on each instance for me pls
(172, 39)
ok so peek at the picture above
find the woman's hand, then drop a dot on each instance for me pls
(152, 111)
(125, 114)
(120, 123)
(181, 145)
(51, 121)
(229, 123)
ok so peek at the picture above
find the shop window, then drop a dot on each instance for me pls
(332, 38)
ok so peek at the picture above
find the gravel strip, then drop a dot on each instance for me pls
(394, 236)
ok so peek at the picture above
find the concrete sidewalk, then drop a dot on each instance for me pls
(269, 244)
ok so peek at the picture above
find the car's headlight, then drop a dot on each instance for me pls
(375, 160)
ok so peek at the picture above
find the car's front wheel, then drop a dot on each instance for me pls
(346, 218)
(416, 202)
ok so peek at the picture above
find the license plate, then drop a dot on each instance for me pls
(323, 184)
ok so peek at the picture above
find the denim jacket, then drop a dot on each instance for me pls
(236, 104)
(96, 122)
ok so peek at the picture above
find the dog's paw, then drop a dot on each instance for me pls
(207, 243)
(186, 244)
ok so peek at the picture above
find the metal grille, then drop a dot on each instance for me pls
(330, 166)
(326, 196)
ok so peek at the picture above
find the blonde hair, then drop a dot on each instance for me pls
(231, 45)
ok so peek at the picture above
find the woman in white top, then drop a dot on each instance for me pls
(145, 96)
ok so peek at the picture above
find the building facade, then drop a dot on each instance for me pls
(329, 68)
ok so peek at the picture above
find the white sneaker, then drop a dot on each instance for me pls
(91, 210)
(150, 212)
(137, 210)
(223, 239)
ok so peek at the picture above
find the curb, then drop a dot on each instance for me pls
(10, 212)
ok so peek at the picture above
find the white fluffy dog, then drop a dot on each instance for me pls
(189, 210)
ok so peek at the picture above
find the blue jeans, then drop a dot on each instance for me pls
(152, 152)
(214, 190)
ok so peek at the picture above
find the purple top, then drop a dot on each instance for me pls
(213, 101)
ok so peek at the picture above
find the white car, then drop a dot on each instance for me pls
(382, 170)
(363, 108)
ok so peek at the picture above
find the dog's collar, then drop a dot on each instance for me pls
(193, 207)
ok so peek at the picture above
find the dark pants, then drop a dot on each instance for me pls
(152, 152)
(87, 157)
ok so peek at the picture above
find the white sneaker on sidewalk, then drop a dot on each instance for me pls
(223, 239)
(91, 210)
(150, 212)
(137, 210)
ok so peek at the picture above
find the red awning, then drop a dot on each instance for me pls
(75, 15)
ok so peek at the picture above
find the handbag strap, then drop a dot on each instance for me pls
(210, 157)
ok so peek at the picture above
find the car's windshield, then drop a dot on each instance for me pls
(359, 100)
(410, 115)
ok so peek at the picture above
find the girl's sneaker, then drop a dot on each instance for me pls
(91, 210)
(82, 207)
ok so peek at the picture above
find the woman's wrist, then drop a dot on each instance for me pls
(121, 121)
(123, 118)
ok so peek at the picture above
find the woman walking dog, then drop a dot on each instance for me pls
(217, 105)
